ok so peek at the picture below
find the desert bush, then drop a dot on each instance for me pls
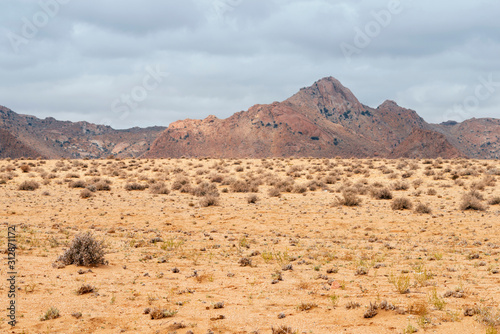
(431, 192)
(349, 199)
(29, 185)
(283, 330)
(25, 168)
(77, 184)
(400, 186)
(471, 202)
(84, 289)
(205, 189)
(135, 186)
(494, 201)
(86, 193)
(102, 186)
(401, 203)
(159, 188)
(423, 208)
(84, 250)
(179, 183)
(158, 313)
(51, 313)
(300, 188)
(209, 201)
(252, 199)
(383, 193)
(274, 192)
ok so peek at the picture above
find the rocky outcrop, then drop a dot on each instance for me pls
(54, 139)
(324, 120)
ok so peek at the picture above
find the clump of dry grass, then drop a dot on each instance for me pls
(252, 199)
(51, 313)
(306, 306)
(349, 199)
(85, 194)
(400, 186)
(274, 192)
(471, 201)
(29, 185)
(283, 330)
(382, 193)
(402, 203)
(135, 186)
(77, 184)
(84, 250)
(494, 201)
(159, 188)
(158, 313)
(423, 208)
(209, 200)
(84, 289)
(371, 311)
(245, 262)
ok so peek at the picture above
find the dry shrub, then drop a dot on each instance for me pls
(300, 189)
(400, 186)
(158, 313)
(29, 185)
(274, 192)
(209, 201)
(383, 193)
(77, 184)
(25, 168)
(494, 201)
(349, 199)
(159, 189)
(252, 199)
(86, 193)
(102, 186)
(471, 202)
(205, 189)
(84, 250)
(135, 186)
(283, 330)
(401, 203)
(84, 289)
(241, 186)
(180, 182)
(423, 208)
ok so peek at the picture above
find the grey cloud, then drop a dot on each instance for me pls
(223, 56)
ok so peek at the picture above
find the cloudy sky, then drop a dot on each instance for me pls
(150, 62)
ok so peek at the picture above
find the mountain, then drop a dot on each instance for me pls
(324, 120)
(29, 136)
(476, 138)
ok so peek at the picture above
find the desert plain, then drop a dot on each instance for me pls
(284, 245)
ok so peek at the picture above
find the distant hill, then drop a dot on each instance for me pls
(29, 136)
(324, 120)
(327, 120)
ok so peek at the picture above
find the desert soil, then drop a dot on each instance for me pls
(233, 267)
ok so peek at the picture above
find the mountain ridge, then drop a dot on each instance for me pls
(322, 120)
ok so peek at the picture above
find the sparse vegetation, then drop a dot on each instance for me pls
(84, 250)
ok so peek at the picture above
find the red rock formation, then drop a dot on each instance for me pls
(324, 120)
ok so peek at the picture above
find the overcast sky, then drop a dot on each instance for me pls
(150, 62)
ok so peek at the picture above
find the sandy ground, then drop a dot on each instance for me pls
(328, 255)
